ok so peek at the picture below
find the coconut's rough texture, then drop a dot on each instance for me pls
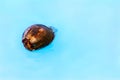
(37, 36)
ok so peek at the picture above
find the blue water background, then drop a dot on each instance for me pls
(86, 46)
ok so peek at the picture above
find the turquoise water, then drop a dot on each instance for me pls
(86, 46)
